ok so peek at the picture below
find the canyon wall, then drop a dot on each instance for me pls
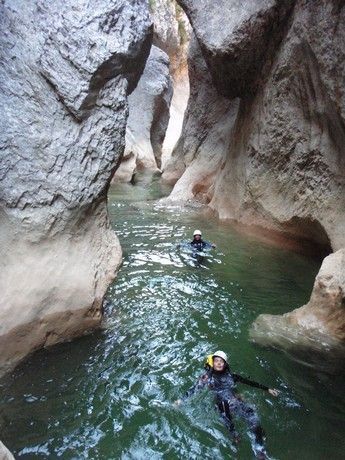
(157, 106)
(207, 129)
(281, 165)
(67, 68)
(147, 120)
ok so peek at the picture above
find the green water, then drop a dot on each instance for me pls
(109, 395)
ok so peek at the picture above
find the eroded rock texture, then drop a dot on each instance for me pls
(284, 164)
(207, 129)
(321, 321)
(157, 106)
(67, 68)
(148, 118)
(172, 33)
(285, 167)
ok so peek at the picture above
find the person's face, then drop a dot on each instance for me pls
(218, 364)
(197, 237)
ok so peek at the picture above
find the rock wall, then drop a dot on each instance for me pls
(67, 68)
(283, 165)
(207, 128)
(172, 34)
(148, 119)
(157, 106)
(284, 168)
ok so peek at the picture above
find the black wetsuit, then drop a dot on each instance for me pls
(200, 245)
(223, 385)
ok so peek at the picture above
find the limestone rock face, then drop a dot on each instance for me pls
(321, 321)
(236, 38)
(5, 454)
(67, 68)
(283, 165)
(148, 118)
(172, 34)
(286, 168)
(201, 150)
(157, 106)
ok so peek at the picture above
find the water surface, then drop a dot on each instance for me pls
(110, 395)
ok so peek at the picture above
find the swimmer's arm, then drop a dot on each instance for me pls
(239, 378)
(199, 385)
(208, 245)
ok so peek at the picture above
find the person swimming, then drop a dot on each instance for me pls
(222, 382)
(198, 243)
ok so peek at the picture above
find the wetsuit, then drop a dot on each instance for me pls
(200, 245)
(223, 385)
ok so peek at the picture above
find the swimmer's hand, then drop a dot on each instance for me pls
(273, 392)
(178, 402)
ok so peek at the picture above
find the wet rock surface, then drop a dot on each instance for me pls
(67, 69)
(319, 323)
(148, 118)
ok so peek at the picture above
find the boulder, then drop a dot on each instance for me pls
(67, 68)
(318, 324)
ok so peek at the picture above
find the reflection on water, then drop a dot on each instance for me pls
(110, 395)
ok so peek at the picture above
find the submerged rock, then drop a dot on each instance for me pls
(318, 324)
(66, 71)
(148, 118)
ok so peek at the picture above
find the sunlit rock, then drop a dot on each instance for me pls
(207, 128)
(148, 118)
(67, 68)
(157, 106)
(172, 33)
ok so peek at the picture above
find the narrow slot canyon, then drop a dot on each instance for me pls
(126, 126)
